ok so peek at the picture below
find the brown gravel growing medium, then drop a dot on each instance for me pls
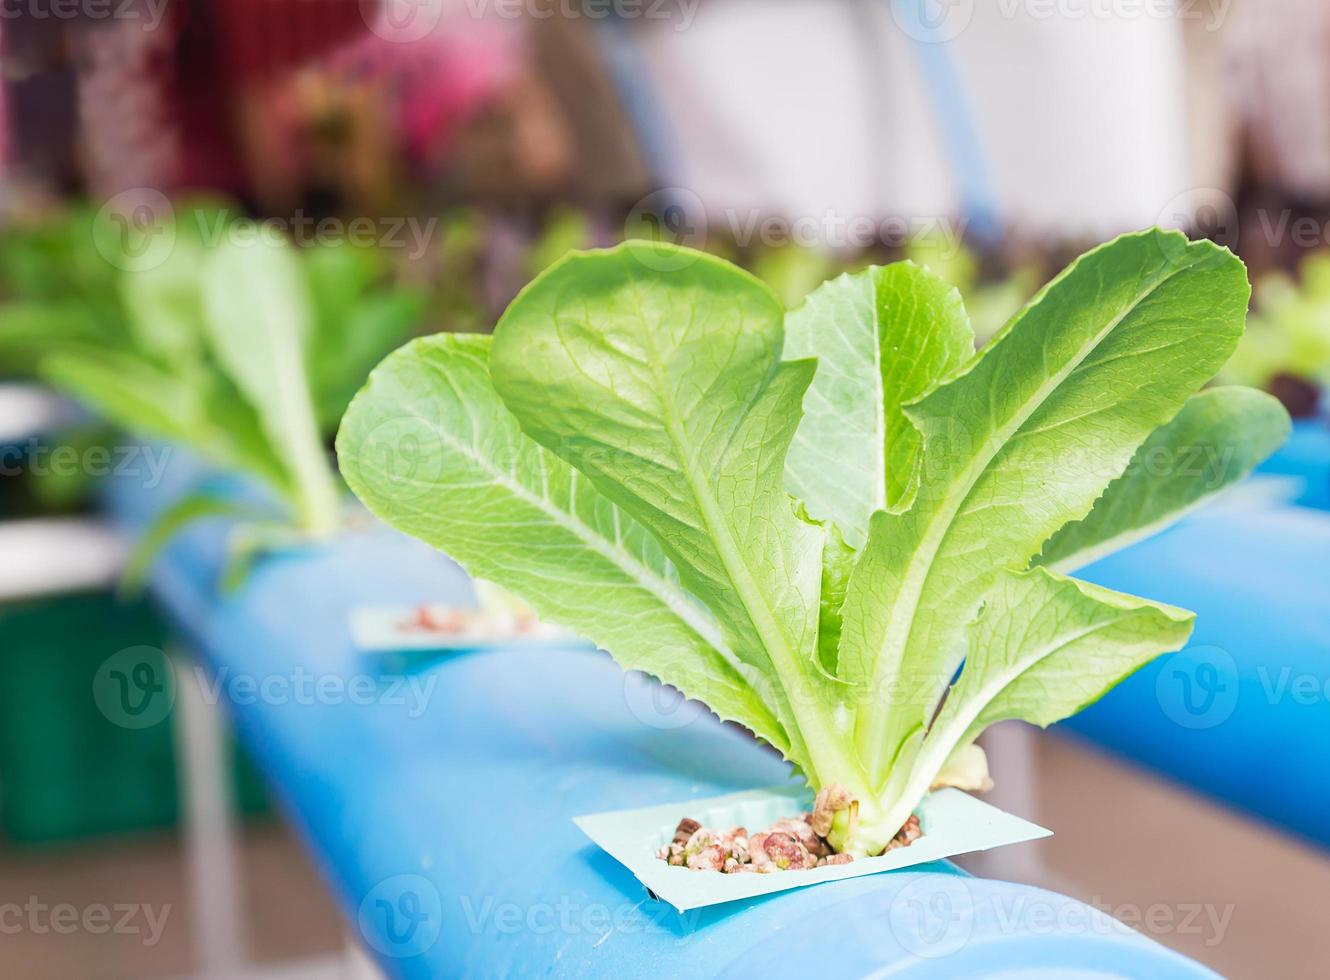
(789, 844)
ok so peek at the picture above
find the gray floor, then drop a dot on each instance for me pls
(289, 914)
(1243, 899)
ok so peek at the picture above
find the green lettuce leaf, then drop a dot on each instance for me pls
(143, 398)
(207, 414)
(1048, 646)
(1021, 443)
(31, 329)
(882, 338)
(1216, 440)
(838, 560)
(164, 306)
(257, 323)
(1045, 647)
(656, 372)
(429, 427)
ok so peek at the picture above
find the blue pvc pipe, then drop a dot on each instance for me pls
(1306, 456)
(443, 824)
(930, 43)
(640, 96)
(1243, 714)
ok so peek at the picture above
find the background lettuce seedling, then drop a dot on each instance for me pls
(1286, 349)
(840, 527)
(236, 345)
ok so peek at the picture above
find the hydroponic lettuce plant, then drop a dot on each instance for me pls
(841, 528)
(232, 343)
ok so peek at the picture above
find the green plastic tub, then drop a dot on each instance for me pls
(67, 770)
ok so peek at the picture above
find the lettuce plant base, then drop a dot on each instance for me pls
(953, 823)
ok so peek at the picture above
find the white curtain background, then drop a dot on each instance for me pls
(800, 106)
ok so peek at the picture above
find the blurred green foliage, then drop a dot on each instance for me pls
(990, 302)
(139, 324)
(1288, 332)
